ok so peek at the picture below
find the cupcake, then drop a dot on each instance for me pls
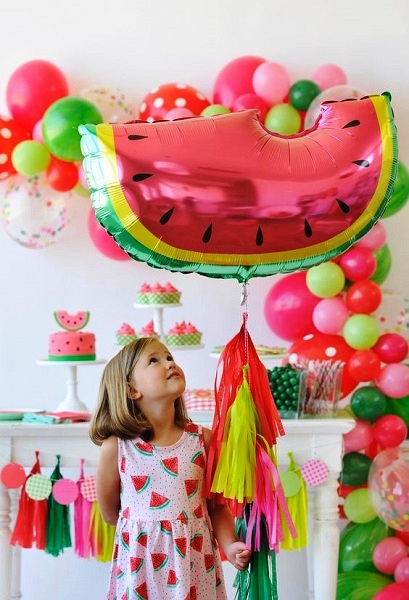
(125, 334)
(183, 334)
(148, 331)
(158, 294)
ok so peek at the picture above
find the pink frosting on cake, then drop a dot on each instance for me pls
(71, 345)
(148, 330)
(182, 328)
(126, 329)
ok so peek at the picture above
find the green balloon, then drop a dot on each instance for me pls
(60, 126)
(383, 264)
(357, 543)
(399, 407)
(284, 119)
(302, 93)
(360, 585)
(400, 194)
(355, 468)
(368, 403)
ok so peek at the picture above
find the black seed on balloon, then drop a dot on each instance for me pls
(343, 206)
(259, 237)
(361, 163)
(134, 137)
(166, 216)
(141, 176)
(307, 229)
(207, 234)
(354, 123)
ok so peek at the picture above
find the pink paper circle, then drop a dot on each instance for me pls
(65, 491)
(13, 475)
(38, 487)
(314, 472)
(89, 488)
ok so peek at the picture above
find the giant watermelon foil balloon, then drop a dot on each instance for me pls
(224, 197)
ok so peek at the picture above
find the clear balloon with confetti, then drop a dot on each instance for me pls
(111, 103)
(33, 214)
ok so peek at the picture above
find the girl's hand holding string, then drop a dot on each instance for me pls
(238, 555)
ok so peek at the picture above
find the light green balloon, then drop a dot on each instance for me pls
(30, 158)
(215, 109)
(358, 506)
(283, 119)
(361, 331)
(325, 280)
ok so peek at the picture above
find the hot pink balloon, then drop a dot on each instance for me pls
(326, 76)
(402, 570)
(358, 438)
(358, 264)
(374, 239)
(247, 101)
(330, 314)
(394, 591)
(390, 431)
(387, 554)
(271, 82)
(289, 306)
(391, 348)
(235, 79)
(178, 113)
(393, 380)
(103, 241)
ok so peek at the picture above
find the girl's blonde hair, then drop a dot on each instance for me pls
(115, 413)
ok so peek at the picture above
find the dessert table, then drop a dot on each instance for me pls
(306, 439)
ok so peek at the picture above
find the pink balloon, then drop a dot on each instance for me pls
(358, 438)
(32, 88)
(103, 241)
(37, 132)
(387, 553)
(358, 264)
(394, 591)
(391, 348)
(271, 82)
(374, 239)
(289, 306)
(393, 380)
(235, 79)
(330, 314)
(178, 113)
(326, 76)
(401, 572)
(247, 101)
(82, 177)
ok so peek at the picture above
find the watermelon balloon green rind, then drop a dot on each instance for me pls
(346, 162)
(73, 322)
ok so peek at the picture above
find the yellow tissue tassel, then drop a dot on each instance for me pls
(298, 508)
(102, 533)
(235, 471)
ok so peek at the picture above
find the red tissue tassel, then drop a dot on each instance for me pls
(31, 521)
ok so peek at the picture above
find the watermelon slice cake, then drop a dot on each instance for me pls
(72, 344)
(225, 197)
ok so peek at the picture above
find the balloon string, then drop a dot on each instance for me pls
(244, 295)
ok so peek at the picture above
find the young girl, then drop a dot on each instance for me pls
(149, 482)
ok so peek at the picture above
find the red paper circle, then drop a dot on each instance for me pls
(13, 475)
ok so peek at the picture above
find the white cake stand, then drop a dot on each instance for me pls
(71, 402)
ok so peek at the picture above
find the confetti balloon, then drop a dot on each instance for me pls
(111, 103)
(33, 214)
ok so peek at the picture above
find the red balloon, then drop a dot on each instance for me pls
(394, 591)
(32, 88)
(156, 105)
(11, 134)
(363, 297)
(391, 348)
(402, 535)
(289, 306)
(61, 175)
(390, 431)
(103, 241)
(235, 79)
(364, 365)
(358, 264)
(247, 101)
(344, 490)
(321, 346)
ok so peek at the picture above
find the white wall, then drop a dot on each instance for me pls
(136, 45)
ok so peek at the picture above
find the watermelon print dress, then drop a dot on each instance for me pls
(164, 548)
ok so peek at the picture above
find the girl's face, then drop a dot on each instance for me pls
(156, 375)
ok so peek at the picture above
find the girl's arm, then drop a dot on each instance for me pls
(224, 527)
(108, 482)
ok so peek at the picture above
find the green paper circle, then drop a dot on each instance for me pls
(291, 483)
(38, 487)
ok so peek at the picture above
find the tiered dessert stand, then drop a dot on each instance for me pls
(157, 310)
(71, 402)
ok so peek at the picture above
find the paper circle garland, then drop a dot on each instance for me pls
(314, 472)
(12, 475)
(38, 487)
(65, 491)
(88, 488)
(291, 483)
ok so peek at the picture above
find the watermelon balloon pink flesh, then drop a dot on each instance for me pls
(225, 197)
